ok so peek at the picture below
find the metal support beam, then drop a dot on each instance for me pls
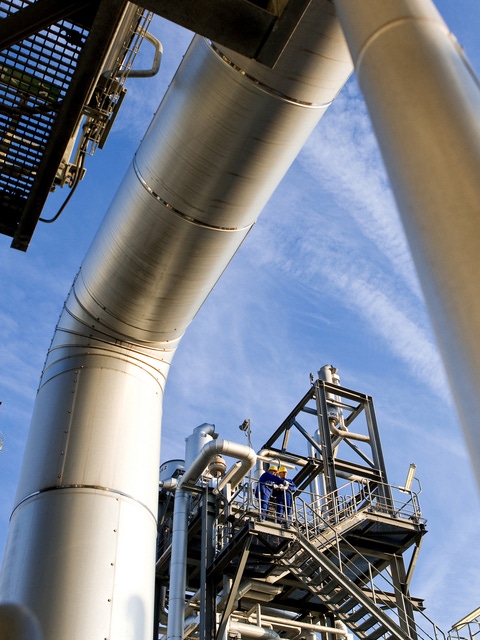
(237, 24)
(232, 596)
(402, 597)
(106, 22)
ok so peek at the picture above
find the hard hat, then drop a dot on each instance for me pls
(282, 470)
(272, 468)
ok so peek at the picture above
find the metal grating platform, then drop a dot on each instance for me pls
(63, 64)
(34, 77)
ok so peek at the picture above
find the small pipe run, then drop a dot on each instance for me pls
(273, 457)
(226, 478)
(248, 458)
(348, 435)
(252, 631)
(294, 624)
(157, 58)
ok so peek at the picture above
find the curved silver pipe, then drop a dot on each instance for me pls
(83, 558)
(424, 101)
(168, 485)
(157, 58)
(247, 456)
(252, 631)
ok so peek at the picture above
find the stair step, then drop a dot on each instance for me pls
(308, 564)
(329, 586)
(317, 579)
(358, 614)
(376, 633)
(347, 606)
(367, 624)
(359, 611)
(340, 596)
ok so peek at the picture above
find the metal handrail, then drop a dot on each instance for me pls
(468, 628)
(316, 518)
(329, 536)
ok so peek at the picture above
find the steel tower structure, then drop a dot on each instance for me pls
(340, 562)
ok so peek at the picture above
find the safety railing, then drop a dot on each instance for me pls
(317, 512)
(466, 629)
(319, 520)
(375, 583)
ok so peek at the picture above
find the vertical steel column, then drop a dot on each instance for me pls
(329, 473)
(207, 591)
(424, 102)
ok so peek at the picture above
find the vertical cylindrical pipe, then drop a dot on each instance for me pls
(81, 546)
(424, 101)
(178, 561)
(195, 442)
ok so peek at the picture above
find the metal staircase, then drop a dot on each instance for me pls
(342, 594)
(350, 569)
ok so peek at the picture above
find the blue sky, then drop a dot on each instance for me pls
(325, 277)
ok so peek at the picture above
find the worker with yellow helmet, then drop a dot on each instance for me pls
(283, 495)
(266, 483)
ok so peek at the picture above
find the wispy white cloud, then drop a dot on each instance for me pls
(344, 155)
(347, 243)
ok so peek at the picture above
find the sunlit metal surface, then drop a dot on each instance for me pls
(424, 101)
(222, 139)
(51, 61)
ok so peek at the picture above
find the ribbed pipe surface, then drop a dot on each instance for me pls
(424, 102)
(81, 546)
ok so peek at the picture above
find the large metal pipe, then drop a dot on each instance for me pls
(81, 546)
(424, 102)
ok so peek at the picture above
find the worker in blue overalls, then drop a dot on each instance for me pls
(283, 496)
(266, 483)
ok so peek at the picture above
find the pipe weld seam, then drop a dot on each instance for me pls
(99, 326)
(158, 377)
(98, 335)
(176, 211)
(265, 87)
(92, 487)
(394, 23)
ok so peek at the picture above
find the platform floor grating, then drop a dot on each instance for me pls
(34, 77)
